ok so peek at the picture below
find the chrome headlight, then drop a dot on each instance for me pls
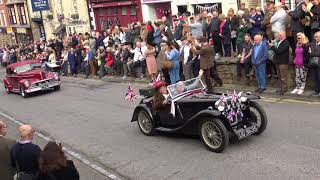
(26, 84)
(56, 77)
(220, 105)
(242, 97)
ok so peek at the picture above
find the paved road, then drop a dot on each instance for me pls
(91, 117)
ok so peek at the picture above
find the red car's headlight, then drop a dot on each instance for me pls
(27, 84)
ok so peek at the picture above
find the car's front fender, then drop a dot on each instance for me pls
(138, 108)
(252, 97)
(205, 113)
(7, 84)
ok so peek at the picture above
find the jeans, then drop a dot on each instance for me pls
(261, 75)
(227, 50)
(316, 74)
(174, 72)
(187, 70)
(102, 69)
(240, 48)
(282, 71)
(246, 65)
(134, 65)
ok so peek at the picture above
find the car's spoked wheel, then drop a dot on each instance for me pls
(259, 117)
(214, 135)
(145, 123)
(23, 93)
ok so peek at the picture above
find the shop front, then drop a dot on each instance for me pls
(156, 9)
(22, 35)
(109, 13)
(6, 37)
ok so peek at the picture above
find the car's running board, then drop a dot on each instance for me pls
(163, 129)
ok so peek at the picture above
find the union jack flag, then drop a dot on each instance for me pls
(130, 96)
(234, 96)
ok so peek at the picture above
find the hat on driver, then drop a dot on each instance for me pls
(159, 84)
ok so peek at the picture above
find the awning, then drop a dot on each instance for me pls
(61, 29)
(102, 5)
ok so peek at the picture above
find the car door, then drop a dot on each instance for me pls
(13, 80)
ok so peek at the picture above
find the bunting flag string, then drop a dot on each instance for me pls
(209, 9)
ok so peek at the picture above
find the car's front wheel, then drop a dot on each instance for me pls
(57, 88)
(23, 93)
(7, 89)
(145, 123)
(259, 117)
(214, 134)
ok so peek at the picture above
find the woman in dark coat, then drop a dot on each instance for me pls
(234, 22)
(150, 31)
(54, 164)
(225, 34)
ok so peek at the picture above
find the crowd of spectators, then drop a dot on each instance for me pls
(289, 37)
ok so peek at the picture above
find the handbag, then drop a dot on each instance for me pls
(167, 64)
(314, 62)
(271, 55)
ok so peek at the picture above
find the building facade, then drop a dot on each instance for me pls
(64, 17)
(109, 13)
(156, 9)
(6, 35)
(19, 22)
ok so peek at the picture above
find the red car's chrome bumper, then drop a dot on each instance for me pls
(43, 85)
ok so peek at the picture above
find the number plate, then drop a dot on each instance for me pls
(242, 133)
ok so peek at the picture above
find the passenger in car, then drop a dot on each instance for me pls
(160, 98)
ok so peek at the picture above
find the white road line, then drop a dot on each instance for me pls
(75, 155)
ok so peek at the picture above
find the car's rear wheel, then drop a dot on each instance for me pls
(23, 93)
(145, 123)
(259, 117)
(214, 134)
(57, 88)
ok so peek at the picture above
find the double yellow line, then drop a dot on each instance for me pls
(280, 100)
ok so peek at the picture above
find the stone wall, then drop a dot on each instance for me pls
(227, 70)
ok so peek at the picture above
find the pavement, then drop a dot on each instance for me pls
(91, 118)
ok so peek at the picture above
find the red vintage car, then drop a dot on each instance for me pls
(27, 77)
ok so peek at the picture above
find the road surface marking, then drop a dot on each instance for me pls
(75, 155)
(278, 100)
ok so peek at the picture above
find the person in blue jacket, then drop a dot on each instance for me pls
(173, 54)
(255, 19)
(259, 59)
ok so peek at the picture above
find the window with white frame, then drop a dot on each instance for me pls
(22, 14)
(12, 14)
(75, 6)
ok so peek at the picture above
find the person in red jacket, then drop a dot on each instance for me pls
(109, 61)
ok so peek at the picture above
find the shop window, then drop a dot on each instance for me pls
(101, 12)
(133, 10)
(12, 15)
(22, 14)
(109, 11)
(116, 10)
(2, 18)
(110, 23)
(124, 10)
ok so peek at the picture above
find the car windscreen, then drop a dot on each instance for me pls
(184, 87)
(27, 67)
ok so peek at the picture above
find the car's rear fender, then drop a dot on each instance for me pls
(138, 108)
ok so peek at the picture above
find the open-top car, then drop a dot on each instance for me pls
(214, 117)
(27, 77)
